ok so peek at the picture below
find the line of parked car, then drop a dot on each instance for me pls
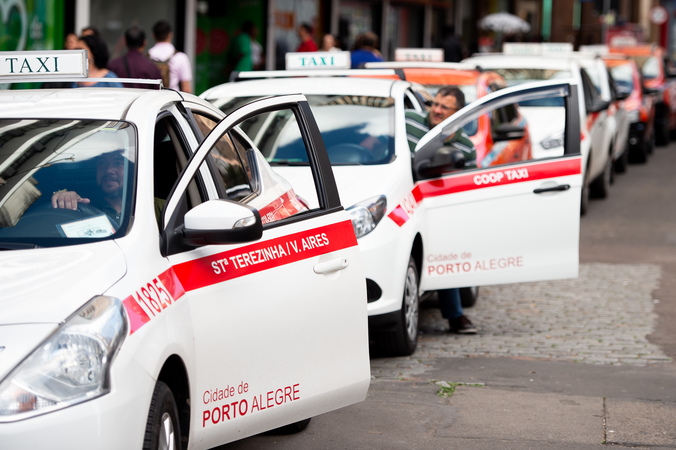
(623, 108)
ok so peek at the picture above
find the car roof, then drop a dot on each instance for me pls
(95, 103)
(500, 60)
(637, 50)
(376, 87)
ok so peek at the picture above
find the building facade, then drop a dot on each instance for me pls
(203, 29)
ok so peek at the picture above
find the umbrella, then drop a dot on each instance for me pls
(503, 22)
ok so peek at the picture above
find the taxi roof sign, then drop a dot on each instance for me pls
(43, 65)
(318, 60)
(419, 54)
(534, 48)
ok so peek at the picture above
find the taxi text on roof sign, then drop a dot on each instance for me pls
(43, 65)
(318, 60)
(544, 48)
(419, 54)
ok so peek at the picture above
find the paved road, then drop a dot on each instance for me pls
(579, 363)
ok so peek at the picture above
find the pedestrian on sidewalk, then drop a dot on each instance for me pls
(365, 50)
(307, 44)
(240, 55)
(97, 55)
(448, 100)
(180, 71)
(135, 64)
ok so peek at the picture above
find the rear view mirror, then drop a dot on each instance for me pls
(598, 105)
(507, 132)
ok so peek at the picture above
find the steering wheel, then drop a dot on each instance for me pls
(44, 220)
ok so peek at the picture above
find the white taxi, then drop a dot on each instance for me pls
(162, 286)
(421, 224)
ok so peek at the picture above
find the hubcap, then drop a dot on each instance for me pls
(166, 433)
(411, 304)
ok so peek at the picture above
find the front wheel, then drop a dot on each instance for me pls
(468, 296)
(600, 188)
(162, 428)
(402, 338)
(622, 162)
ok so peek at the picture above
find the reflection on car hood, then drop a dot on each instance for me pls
(47, 285)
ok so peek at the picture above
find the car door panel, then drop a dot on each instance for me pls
(504, 224)
(280, 324)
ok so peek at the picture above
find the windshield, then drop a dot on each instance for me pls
(624, 77)
(519, 76)
(42, 160)
(356, 130)
(650, 67)
(593, 70)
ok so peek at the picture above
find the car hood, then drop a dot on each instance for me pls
(355, 183)
(48, 285)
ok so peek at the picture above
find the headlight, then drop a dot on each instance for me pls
(366, 215)
(553, 141)
(634, 116)
(71, 366)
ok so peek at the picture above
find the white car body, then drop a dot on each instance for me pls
(415, 223)
(235, 330)
(597, 128)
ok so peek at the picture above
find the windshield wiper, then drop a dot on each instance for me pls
(286, 162)
(17, 245)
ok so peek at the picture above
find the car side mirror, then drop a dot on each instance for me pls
(623, 94)
(508, 132)
(650, 91)
(221, 222)
(599, 105)
(446, 159)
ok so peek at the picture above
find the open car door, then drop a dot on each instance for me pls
(504, 224)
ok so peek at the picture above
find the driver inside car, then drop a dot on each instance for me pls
(110, 179)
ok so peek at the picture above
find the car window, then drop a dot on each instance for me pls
(233, 169)
(591, 94)
(651, 68)
(357, 130)
(594, 71)
(44, 161)
(514, 76)
(242, 174)
(624, 77)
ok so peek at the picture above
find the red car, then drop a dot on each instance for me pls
(639, 103)
(654, 64)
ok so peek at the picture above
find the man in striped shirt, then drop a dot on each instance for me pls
(448, 100)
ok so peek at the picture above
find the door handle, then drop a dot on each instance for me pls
(560, 187)
(331, 266)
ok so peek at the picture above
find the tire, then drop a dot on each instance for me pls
(640, 154)
(651, 143)
(163, 425)
(622, 162)
(600, 187)
(291, 428)
(468, 296)
(402, 338)
(662, 134)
